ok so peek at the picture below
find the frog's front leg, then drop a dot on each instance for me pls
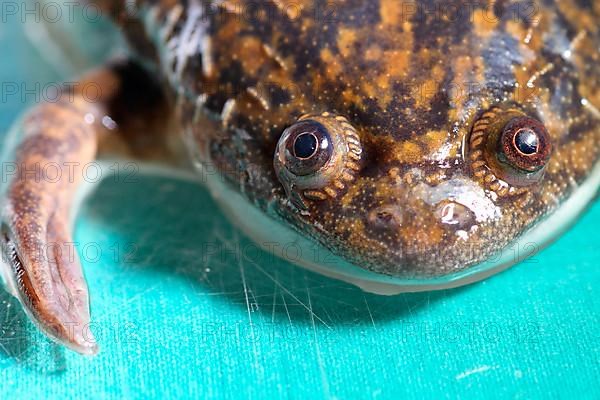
(45, 277)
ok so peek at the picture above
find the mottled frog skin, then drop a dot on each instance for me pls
(414, 142)
(414, 90)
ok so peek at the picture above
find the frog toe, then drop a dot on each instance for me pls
(47, 279)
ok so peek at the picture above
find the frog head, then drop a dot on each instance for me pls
(407, 144)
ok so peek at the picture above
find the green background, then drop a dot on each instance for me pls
(172, 319)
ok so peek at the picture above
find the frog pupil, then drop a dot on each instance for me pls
(305, 145)
(527, 141)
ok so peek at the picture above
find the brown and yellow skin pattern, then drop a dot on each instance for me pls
(421, 176)
(412, 82)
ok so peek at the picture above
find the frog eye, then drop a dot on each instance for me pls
(305, 147)
(509, 150)
(317, 157)
(525, 144)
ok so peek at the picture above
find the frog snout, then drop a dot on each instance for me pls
(448, 214)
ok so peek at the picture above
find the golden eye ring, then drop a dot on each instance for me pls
(317, 157)
(508, 150)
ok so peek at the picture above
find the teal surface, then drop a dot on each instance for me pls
(175, 317)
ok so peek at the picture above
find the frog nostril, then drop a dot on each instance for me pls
(385, 217)
(455, 214)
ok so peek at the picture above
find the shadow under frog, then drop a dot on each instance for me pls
(174, 227)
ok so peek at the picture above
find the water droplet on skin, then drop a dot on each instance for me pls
(89, 118)
(464, 235)
(109, 123)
